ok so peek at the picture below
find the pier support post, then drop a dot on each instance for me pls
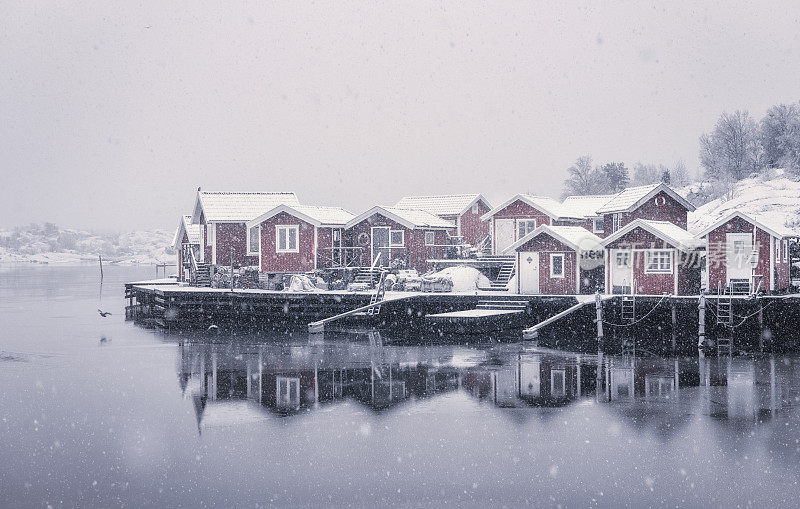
(598, 305)
(701, 322)
(674, 326)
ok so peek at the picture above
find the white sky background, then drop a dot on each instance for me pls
(111, 116)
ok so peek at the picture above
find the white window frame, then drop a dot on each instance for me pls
(616, 222)
(595, 229)
(474, 208)
(402, 238)
(623, 254)
(250, 252)
(553, 256)
(289, 228)
(528, 229)
(212, 234)
(785, 251)
(649, 253)
(432, 238)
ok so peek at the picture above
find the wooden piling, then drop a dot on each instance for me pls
(701, 322)
(598, 305)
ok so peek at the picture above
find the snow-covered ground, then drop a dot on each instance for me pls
(52, 245)
(773, 196)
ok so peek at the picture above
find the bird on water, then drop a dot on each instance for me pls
(103, 313)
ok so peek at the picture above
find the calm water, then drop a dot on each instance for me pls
(97, 412)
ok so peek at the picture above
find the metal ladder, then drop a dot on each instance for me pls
(378, 295)
(629, 305)
(725, 319)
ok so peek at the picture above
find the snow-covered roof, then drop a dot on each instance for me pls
(410, 218)
(313, 214)
(576, 237)
(238, 207)
(669, 232)
(584, 206)
(631, 197)
(767, 224)
(192, 231)
(441, 205)
(545, 204)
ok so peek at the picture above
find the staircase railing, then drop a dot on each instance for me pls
(378, 295)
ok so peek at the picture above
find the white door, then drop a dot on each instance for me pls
(528, 272)
(504, 234)
(621, 270)
(737, 256)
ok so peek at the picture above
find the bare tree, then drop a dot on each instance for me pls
(732, 150)
(582, 178)
(679, 175)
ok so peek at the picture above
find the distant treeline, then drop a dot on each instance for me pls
(737, 147)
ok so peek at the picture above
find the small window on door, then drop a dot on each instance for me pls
(430, 238)
(623, 259)
(525, 226)
(557, 265)
(397, 238)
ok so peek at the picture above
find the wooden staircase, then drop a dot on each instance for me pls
(368, 275)
(508, 304)
(505, 274)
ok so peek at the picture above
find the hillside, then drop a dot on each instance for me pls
(773, 196)
(48, 243)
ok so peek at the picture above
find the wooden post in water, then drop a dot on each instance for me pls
(598, 305)
(674, 326)
(101, 267)
(232, 269)
(701, 322)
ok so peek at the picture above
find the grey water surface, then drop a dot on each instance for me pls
(99, 412)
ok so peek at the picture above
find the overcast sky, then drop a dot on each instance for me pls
(113, 113)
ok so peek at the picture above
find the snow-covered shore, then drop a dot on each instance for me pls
(49, 244)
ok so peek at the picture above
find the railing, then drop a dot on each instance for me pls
(348, 256)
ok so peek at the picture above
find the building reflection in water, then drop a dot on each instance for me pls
(233, 378)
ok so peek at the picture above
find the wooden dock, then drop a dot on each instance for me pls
(559, 321)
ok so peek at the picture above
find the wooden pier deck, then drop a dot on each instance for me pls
(168, 304)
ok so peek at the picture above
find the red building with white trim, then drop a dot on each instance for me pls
(749, 251)
(655, 202)
(652, 258)
(463, 210)
(223, 221)
(299, 238)
(558, 260)
(401, 237)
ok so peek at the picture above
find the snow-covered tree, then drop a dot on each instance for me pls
(665, 176)
(616, 177)
(583, 178)
(679, 176)
(645, 174)
(732, 150)
(776, 134)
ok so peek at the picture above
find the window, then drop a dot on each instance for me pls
(286, 239)
(558, 383)
(557, 265)
(777, 251)
(253, 240)
(597, 225)
(337, 237)
(397, 238)
(623, 258)
(617, 221)
(212, 230)
(525, 226)
(658, 261)
(474, 208)
(430, 238)
(785, 250)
